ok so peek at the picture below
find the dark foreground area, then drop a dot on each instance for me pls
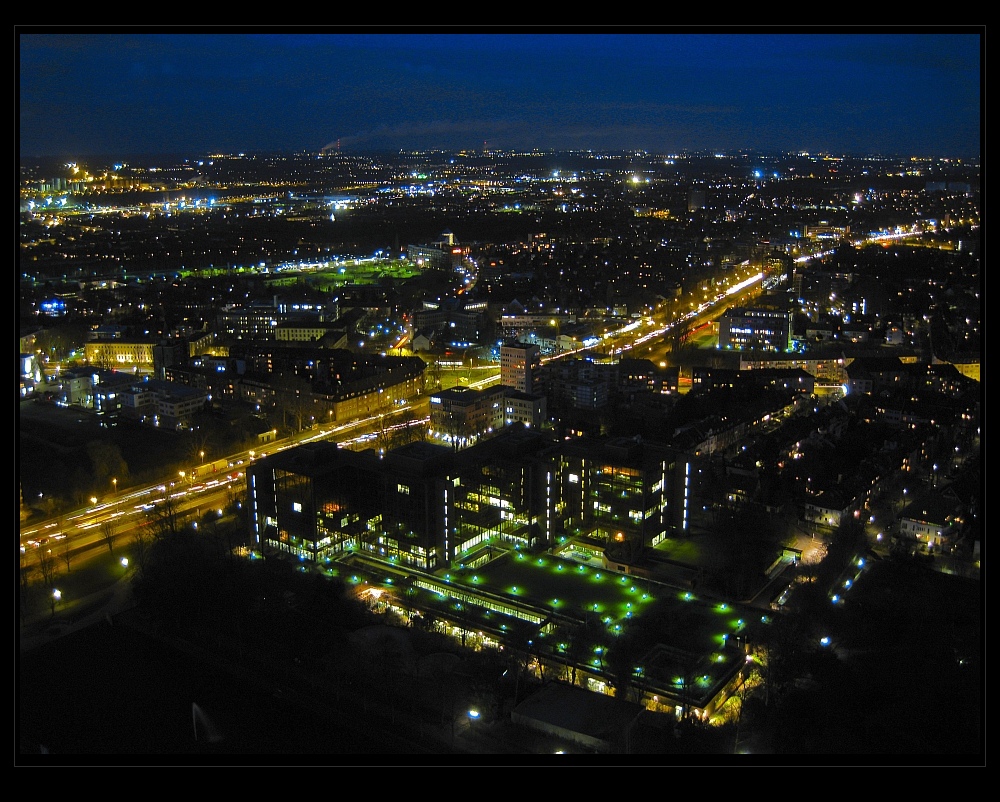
(110, 695)
(900, 682)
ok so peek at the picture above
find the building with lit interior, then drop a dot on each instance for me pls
(751, 328)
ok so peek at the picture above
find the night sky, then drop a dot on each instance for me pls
(88, 91)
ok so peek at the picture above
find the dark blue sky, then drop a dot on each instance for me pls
(914, 92)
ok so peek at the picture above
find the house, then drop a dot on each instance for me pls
(594, 721)
(933, 520)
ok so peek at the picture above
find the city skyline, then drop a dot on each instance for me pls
(911, 91)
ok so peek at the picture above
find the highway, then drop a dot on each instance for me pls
(119, 515)
(126, 510)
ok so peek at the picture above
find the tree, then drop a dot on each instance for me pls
(108, 535)
(519, 641)
(26, 569)
(485, 670)
(623, 660)
(578, 643)
(142, 543)
(433, 375)
(384, 433)
(66, 552)
(198, 447)
(164, 518)
(384, 654)
(294, 394)
(778, 648)
(409, 432)
(106, 462)
(46, 567)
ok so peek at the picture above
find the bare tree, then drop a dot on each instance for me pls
(433, 375)
(108, 535)
(47, 568)
(66, 552)
(164, 518)
(384, 434)
(141, 548)
(294, 395)
(198, 447)
(26, 569)
(749, 681)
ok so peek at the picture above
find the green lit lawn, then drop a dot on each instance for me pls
(578, 590)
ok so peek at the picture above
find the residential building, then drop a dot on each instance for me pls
(520, 366)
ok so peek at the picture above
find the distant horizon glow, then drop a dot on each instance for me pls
(146, 91)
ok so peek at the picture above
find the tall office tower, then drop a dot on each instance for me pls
(520, 364)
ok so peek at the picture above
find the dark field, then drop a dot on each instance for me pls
(109, 692)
